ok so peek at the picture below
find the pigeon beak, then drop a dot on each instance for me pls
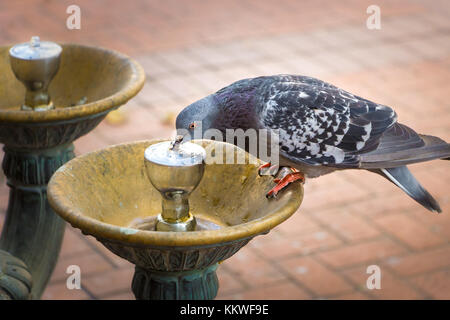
(187, 137)
(185, 134)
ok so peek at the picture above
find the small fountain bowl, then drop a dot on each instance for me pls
(104, 193)
(91, 81)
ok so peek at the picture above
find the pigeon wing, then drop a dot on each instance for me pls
(320, 124)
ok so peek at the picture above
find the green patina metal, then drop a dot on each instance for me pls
(175, 273)
(200, 284)
(32, 231)
(15, 279)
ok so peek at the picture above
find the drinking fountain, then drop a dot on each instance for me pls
(171, 208)
(50, 95)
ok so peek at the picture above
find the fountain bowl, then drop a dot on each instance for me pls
(90, 82)
(107, 194)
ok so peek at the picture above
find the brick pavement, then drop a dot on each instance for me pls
(348, 220)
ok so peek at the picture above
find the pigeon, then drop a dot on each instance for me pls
(321, 128)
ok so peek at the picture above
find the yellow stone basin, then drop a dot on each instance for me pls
(91, 81)
(104, 193)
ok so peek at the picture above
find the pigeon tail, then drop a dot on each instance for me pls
(403, 178)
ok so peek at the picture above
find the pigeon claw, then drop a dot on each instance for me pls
(264, 166)
(268, 169)
(284, 182)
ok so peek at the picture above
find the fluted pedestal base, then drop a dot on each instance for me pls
(188, 285)
(32, 232)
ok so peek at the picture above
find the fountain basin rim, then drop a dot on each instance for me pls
(136, 237)
(133, 86)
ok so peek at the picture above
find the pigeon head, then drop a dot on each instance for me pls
(197, 118)
(232, 107)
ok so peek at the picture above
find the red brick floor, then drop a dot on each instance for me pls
(348, 220)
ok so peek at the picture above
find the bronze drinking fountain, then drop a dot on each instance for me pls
(50, 95)
(165, 206)
(140, 200)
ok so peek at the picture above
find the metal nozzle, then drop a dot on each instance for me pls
(175, 144)
(175, 170)
(35, 63)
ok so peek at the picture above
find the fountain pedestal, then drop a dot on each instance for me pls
(188, 285)
(32, 231)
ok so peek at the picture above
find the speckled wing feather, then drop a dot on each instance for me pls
(401, 145)
(320, 124)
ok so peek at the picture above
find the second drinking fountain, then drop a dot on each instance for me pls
(50, 95)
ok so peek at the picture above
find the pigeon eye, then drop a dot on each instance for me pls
(192, 125)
